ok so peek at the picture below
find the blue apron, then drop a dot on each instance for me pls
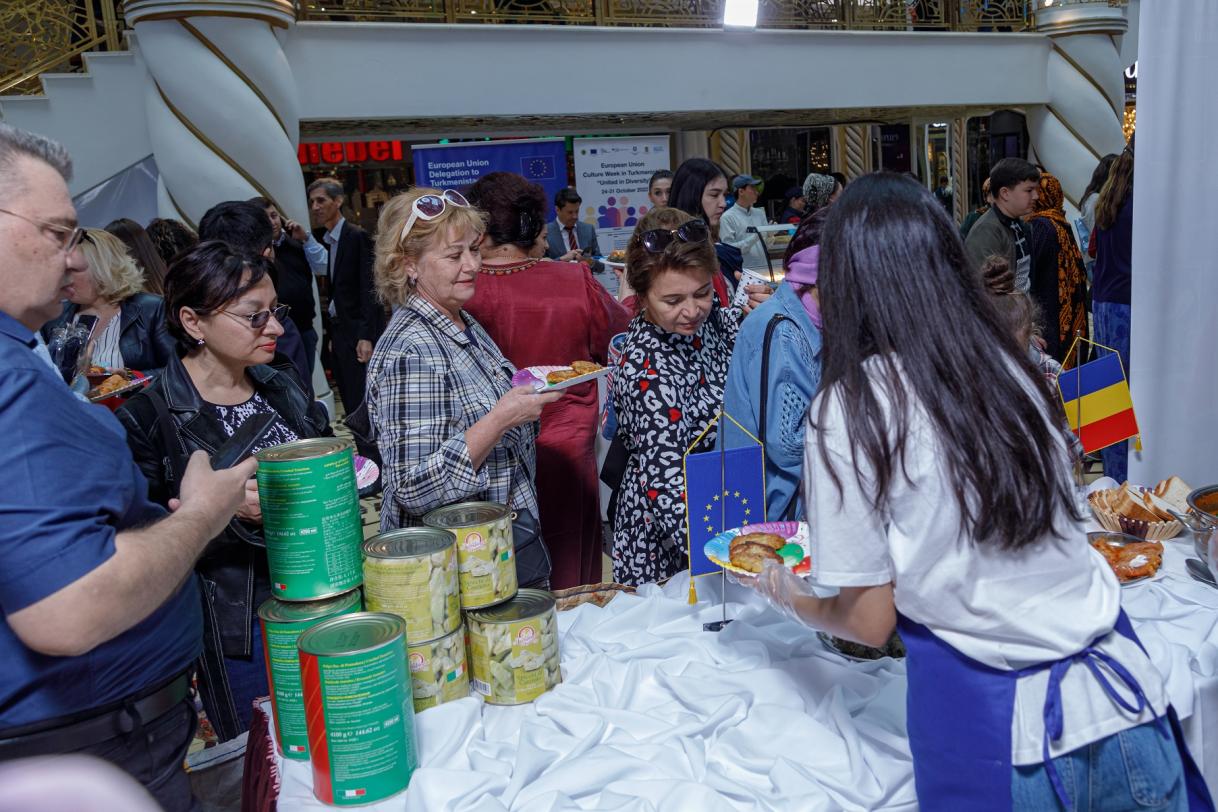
(959, 720)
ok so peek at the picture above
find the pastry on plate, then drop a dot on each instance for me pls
(771, 540)
(585, 367)
(560, 375)
(752, 556)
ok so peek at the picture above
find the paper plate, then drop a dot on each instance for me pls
(536, 376)
(795, 554)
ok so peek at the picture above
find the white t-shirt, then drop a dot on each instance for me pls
(733, 227)
(1008, 610)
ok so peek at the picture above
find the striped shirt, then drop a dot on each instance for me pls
(429, 381)
(105, 345)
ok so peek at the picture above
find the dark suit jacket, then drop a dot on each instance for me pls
(144, 342)
(351, 289)
(585, 235)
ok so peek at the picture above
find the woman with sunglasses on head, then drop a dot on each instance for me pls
(449, 424)
(225, 317)
(667, 389)
(130, 331)
(941, 502)
(543, 312)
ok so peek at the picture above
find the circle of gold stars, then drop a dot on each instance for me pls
(735, 495)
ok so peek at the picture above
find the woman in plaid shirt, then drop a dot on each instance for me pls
(449, 424)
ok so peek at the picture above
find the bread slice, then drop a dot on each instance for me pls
(1131, 506)
(1174, 491)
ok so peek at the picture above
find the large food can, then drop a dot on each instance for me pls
(358, 708)
(486, 557)
(282, 624)
(412, 573)
(514, 648)
(310, 518)
(438, 670)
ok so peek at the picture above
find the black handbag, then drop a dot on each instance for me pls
(533, 565)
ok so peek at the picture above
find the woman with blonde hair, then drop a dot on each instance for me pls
(449, 424)
(130, 332)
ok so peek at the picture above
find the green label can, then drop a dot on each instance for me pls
(412, 572)
(438, 671)
(310, 518)
(513, 649)
(358, 708)
(282, 624)
(486, 558)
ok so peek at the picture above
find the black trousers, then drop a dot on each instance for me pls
(153, 754)
(349, 374)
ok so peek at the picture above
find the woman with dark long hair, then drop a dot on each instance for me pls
(142, 251)
(941, 503)
(1112, 280)
(699, 188)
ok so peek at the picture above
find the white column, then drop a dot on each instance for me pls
(222, 108)
(1082, 120)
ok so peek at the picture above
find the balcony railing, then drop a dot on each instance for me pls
(46, 36)
(43, 36)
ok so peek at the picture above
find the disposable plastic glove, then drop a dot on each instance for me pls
(783, 588)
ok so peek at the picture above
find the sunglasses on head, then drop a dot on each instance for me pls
(429, 207)
(658, 239)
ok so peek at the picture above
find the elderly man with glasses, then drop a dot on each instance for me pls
(100, 621)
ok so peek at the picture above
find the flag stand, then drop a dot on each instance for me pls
(722, 450)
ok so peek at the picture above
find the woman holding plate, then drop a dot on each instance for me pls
(541, 312)
(449, 424)
(941, 503)
(667, 390)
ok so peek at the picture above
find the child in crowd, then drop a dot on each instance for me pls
(1019, 313)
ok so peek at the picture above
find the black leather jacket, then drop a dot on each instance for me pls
(233, 567)
(144, 342)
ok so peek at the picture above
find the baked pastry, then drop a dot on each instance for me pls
(1133, 560)
(771, 540)
(617, 256)
(111, 384)
(752, 556)
(585, 367)
(560, 375)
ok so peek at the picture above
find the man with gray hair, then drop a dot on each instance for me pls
(100, 620)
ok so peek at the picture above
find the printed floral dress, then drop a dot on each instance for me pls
(666, 391)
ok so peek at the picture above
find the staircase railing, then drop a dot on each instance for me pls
(45, 36)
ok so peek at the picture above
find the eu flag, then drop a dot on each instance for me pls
(724, 490)
(538, 167)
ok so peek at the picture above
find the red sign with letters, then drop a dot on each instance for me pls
(350, 152)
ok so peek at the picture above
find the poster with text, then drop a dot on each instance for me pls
(611, 175)
(457, 166)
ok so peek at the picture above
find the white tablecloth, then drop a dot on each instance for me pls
(655, 714)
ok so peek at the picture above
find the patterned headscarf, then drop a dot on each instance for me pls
(818, 189)
(1071, 273)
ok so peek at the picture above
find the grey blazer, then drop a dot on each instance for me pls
(585, 235)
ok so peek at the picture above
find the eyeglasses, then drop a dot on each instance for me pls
(658, 239)
(67, 236)
(429, 207)
(259, 320)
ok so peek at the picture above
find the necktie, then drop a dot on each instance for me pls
(332, 250)
(571, 243)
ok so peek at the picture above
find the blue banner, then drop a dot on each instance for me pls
(457, 166)
(726, 490)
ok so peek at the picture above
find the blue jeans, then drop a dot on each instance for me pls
(1139, 768)
(1112, 330)
(247, 677)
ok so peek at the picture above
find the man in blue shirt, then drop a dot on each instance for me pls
(99, 614)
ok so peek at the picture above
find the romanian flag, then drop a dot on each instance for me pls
(1097, 402)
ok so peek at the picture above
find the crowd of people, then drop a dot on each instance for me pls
(124, 578)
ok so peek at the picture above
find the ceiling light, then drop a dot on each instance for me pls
(740, 14)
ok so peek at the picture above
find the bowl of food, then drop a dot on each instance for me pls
(1203, 510)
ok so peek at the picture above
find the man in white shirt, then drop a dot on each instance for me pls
(734, 225)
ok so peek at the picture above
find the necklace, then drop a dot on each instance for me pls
(509, 268)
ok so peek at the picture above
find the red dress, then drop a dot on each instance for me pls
(556, 313)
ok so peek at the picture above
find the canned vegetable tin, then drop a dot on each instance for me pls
(282, 625)
(358, 708)
(514, 648)
(486, 557)
(438, 671)
(412, 573)
(310, 518)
